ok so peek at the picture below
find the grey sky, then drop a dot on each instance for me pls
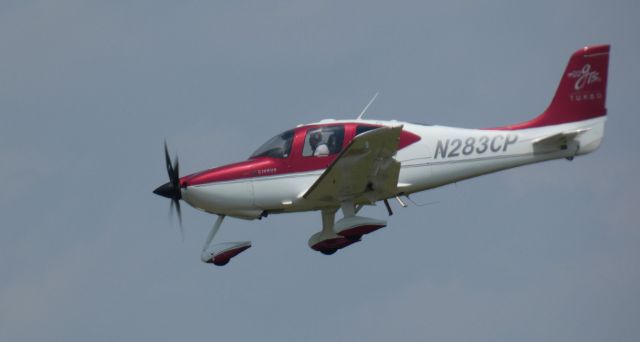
(89, 90)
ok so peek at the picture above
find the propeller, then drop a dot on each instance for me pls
(171, 189)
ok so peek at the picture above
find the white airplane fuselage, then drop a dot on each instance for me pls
(443, 155)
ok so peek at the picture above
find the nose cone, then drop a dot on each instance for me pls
(167, 190)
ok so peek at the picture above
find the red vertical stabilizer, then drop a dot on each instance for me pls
(582, 91)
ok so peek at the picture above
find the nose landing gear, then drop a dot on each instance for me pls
(220, 254)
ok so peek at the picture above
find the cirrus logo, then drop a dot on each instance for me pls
(584, 77)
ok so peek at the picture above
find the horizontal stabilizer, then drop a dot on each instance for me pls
(558, 139)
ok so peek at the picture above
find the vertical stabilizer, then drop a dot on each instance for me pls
(582, 92)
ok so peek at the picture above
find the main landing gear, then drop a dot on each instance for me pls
(220, 253)
(345, 232)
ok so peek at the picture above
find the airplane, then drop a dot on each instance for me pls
(343, 165)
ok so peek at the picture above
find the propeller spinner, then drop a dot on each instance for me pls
(171, 189)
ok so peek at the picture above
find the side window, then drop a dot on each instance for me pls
(323, 141)
(361, 129)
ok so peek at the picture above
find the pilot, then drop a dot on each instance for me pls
(319, 148)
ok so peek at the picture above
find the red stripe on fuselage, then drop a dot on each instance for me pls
(295, 163)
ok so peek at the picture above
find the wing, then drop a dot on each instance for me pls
(364, 172)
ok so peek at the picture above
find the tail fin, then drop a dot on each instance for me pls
(582, 91)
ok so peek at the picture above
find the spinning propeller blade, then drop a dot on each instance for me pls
(171, 189)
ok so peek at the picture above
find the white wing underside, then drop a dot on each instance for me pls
(364, 172)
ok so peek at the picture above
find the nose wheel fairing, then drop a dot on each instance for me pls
(221, 253)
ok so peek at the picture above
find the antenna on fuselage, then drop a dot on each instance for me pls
(367, 106)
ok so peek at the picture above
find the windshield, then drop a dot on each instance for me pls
(277, 147)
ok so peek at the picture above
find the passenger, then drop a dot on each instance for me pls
(319, 148)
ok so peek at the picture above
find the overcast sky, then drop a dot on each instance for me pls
(90, 89)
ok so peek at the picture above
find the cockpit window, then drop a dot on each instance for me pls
(323, 141)
(364, 128)
(277, 147)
